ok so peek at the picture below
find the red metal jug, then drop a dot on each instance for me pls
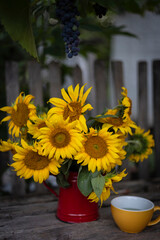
(73, 206)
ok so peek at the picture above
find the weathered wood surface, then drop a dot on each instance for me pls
(101, 83)
(156, 106)
(35, 82)
(34, 217)
(118, 78)
(143, 112)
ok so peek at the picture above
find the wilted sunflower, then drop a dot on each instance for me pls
(19, 114)
(37, 123)
(30, 161)
(60, 138)
(108, 186)
(101, 150)
(143, 144)
(8, 145)
(73, 106)
(122, 124)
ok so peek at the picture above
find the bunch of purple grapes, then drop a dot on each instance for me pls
(66, 12)
(100, 10)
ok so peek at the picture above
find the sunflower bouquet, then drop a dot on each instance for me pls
(63, 140)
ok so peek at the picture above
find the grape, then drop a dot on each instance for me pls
(100, 10)
(66, 12)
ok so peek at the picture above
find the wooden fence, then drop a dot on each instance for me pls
(99, 97)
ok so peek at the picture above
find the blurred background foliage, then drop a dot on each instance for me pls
(34, 25)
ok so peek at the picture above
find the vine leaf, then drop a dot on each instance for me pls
(15, 16)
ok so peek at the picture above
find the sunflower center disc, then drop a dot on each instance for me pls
(35, 161)
(60, 137)
(20, 116)
(73, 115)
(96, 147)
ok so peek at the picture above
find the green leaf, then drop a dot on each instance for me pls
(105, 116)
(62, 182)
(103, 3)
(98, 184)
(95, 174)
(66, 166)
(15, 16)
(109, 175)
(84, 181)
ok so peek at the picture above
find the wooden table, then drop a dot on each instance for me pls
(34, 218)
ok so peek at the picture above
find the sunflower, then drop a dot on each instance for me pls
(142, 142)
(108, 186)
(37, 123)
(118, 123)
(30, 161)
(73, 106)
(19, 114)
(101, 150)
(60, 138)
(8, 145)
(126, 102)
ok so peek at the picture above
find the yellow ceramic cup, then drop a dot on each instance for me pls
(132, 214)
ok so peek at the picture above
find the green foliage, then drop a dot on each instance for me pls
(29, 21)
(66, 166)
(61, 180)
(15, 16)
(133, 6)
(89, 182)
(98, 184)
(64, 173)
(84, 181)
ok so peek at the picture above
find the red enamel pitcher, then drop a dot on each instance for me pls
(73, 206)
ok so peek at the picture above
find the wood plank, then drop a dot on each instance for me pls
(143, 113)
(12, 92)
(54, 78)
(11, 81)
(101, 83)
(35, 82)
(77, 76)
(156, 106)
(38, 221)
(117, 73)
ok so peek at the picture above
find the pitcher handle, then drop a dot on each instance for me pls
(50, 189)
(157, 220)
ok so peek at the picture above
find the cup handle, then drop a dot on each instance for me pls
(153, 222)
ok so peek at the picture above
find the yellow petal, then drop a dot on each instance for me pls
(71, 93)
(6, 119)
(7, 109)
(36, 176)
(85, 95)
(76, 92)
(87, 107)
(57, 102)
(65, 95)
(83, 124)
(81, 93)
(24, 144)
(28, 98)
(45, 173)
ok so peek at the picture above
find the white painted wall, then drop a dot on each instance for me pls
(131, 50)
